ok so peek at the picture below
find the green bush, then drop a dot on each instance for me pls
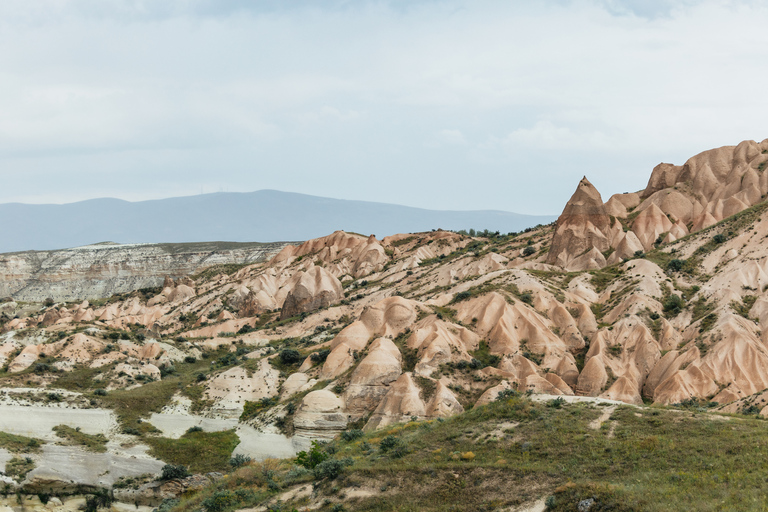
(388, 443)
(311, 459)
(330, 469)
(239, 460)
(674, 304)
(219, 501)
(506, 394)
(528, 251)
(675, 265)
(719, 238)
(167, 505)
(172, 471)
(290, 356)
(351, 435)
(321, 355)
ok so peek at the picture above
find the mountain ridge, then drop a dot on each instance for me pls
(263, 216)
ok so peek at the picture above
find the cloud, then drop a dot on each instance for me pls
(545, 135)
(377, 100)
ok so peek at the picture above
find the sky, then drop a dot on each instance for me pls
(440, 104)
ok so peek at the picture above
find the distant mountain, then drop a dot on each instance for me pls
(263, 216)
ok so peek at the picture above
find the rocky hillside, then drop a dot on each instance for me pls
(656, 297)
(106, 269)
(678, 200)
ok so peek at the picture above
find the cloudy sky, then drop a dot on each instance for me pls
(445, 104)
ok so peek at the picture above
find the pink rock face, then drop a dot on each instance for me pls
(584, 225)
(388, 317)
(346, 253)
(400, 404)
(311, 290)
(678, 200)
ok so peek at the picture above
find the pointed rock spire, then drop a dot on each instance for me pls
(584, 225)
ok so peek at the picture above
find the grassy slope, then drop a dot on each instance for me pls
(201, 452)
(513, 452)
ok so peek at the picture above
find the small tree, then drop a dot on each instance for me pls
(290, 356)
(675, 265)
(171, 472)
(310, 459)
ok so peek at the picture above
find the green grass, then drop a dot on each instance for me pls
(81, 379)
(202, 452)
(602, 278)
(93, 443)
(18, 467)
(650, 459)
(19, 444)
(131, 405)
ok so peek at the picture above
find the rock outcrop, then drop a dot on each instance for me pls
(102, 270)
(582, 232)
(321, 415)
(311, 290)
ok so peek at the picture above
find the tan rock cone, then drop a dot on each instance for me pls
(371, 379)
(311, 290)
(440, 342)
(388, 317)
(444, 403)
(583, 226)
(400, 404)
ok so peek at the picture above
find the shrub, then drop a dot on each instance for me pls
(675, 265)
(167, 505)
(311, 459)
(321, 355)
(171, 471)
(290, 356)
(674, 304)
(388, 443)
(719, 238)
(557, 403)
(190, 359)
(528, 251)
(194, 429)
(330, 469)
(100, 392)
(351, 435)
(220, 500)
(101, 499)
(239, 460)
(461, 296)
(506, 394)
(42, 368)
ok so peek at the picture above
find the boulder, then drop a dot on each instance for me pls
(321, 415)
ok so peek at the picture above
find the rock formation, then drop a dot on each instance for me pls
(582, 232)
(311, 290)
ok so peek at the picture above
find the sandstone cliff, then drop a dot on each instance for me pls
(97, 271)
